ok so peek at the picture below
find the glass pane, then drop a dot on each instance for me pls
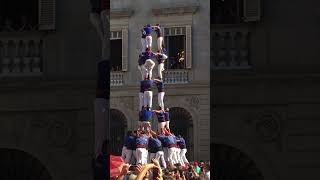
(116, 55)
(176, 52)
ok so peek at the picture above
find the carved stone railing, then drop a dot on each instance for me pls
(230, 47)
(20, 54)
(177, 76)
(116, 78)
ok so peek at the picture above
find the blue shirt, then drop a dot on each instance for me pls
(147, 30)
(181, 143)
(160, 86)
(162, 138)
(147, 55)
(167, 116)
(146, 85)
(146, 115)
(142, 140)
(171, 140)
(155, 145)
(161, 117)
(130, 142)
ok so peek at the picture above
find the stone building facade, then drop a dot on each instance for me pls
(187, 88)
(48, 83)
(265, 74)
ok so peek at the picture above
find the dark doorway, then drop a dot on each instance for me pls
(118, 123)
(19, 165)
(181, 123)
(229, 163)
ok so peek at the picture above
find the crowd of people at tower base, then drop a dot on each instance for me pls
(153, 171)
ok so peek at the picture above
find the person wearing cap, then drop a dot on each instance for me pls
(141, 148)
(158, 31)
(156, 151)
(161, 57)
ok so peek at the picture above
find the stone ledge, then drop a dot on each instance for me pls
(121, 13)
(179, 10)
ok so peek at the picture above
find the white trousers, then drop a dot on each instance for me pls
(143, 44)
(123, 153)
(142, 155)
(167, 124)
(178, 151)
(160, 69)
(172, 155)
(161, 125)
(134, 157)
(165, 153)
(183, 155)
(141, 102)
(127, 155)
(143, 71)
(147, 98)
(160, 157)
(160, 99)
(159, 43)
(148, 41)
(149, 65)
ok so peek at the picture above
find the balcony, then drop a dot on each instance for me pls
(116, 78)
(230, 47)
(177, 76)
(20, 54)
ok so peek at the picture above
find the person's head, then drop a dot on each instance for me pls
(195, 163)
(148, 25)
(129, 133)
(157, 24)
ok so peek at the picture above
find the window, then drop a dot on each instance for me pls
(27, 15)
(18, 16)
(226, 11)
(116, 50)
(175, 43)
(235, 11)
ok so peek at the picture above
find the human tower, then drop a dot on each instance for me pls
(144, 144)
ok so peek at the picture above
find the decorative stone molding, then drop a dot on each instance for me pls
(179, 10)
(193, 101)
(120, 13)
(267, 126)
(60, 133)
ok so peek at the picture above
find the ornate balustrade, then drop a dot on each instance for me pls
(230, 47)
(116, 78)
(20, 54)
(177, 76)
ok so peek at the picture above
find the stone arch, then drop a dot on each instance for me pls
(231, 163)
(181, 122)
(17, 164)
(118, 129)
